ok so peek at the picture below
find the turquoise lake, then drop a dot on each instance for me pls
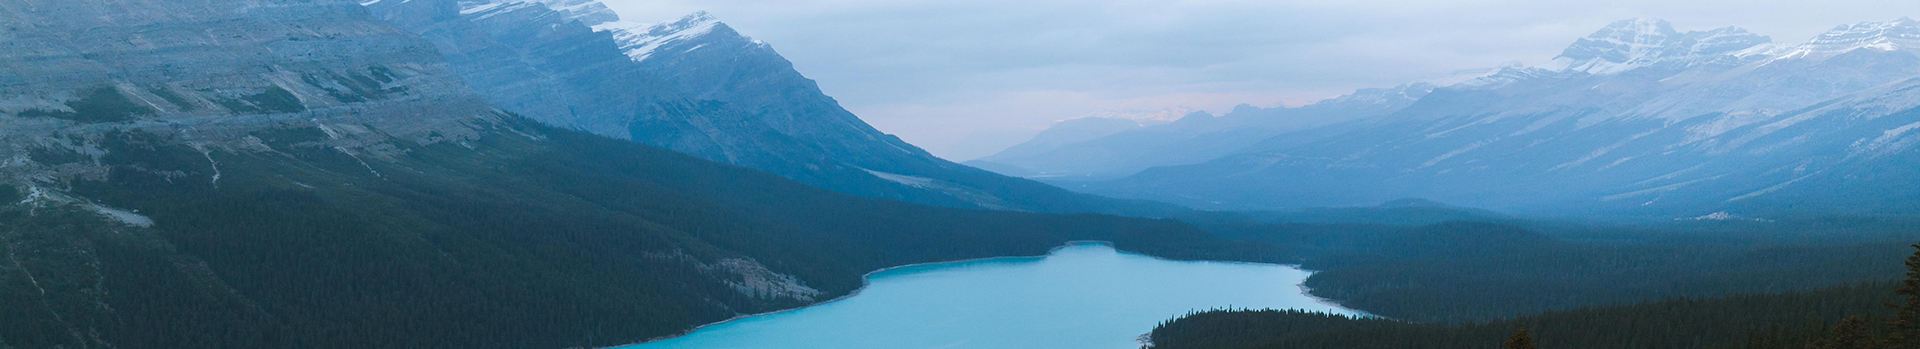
(1080, 296)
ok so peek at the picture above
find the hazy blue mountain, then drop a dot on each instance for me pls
(302, 174)
(697, 86)
(1197, 138)
(1636, 119)
(1061, 134)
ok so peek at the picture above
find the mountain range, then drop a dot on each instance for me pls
(1198, 137)
(697, 86)
(1638, 119)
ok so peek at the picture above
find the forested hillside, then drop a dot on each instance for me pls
(527, 237)
(1784, 321)
(1693, 285)
(1468, 272)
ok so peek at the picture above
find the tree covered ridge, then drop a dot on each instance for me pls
(526, 237)
(1466, 272)
(1867, 316)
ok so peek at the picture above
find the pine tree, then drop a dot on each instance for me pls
(1906, 325)
(1521, 340)
(1851, 334)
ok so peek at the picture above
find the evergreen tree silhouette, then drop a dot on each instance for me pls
(1521, 340)
(1905, 329)
(1851, 334)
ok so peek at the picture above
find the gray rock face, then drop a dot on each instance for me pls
(698, 87)
(1636, 120)
(78, 71)
(707, 61)
(95, 92)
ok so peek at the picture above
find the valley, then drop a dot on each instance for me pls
(549, 174)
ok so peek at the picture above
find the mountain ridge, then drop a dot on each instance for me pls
(1636, 119)
(697, 86)
(1193, 139)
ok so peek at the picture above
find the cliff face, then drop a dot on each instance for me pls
(698, 87)
(79, 71)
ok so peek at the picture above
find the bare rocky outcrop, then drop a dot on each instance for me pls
(753, 279)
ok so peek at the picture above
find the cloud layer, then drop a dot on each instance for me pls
(964, 78)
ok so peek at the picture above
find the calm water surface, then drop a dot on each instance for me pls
(1080, 296)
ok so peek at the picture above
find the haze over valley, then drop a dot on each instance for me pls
(1635, 119)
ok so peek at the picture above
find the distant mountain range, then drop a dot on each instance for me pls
(697, 86)
(1196, 138)
(1636, 119)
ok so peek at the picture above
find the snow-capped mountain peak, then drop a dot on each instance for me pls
(1382, 96)
(641, 40)
(1636, 30)
(1897, 35)
(1637, 43)
(1505, 75)
(588, 12)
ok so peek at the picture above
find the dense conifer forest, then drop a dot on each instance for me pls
(529, 237)
(1461, 272)
(1864, 316)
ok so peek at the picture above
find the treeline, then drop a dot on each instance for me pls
(1464, 272)
(1782, 321)
(1867, 316)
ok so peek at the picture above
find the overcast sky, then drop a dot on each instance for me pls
(965, 78)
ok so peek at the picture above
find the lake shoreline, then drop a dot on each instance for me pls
(867, 281)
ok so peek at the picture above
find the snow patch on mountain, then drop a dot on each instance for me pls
(589, 12)
(122, 216)
(1723, 124)
(911, 181)
(1897, 35)
(38, 197)
(1893, 139)
(1457, 152)
(640, 41)
(1638, 43)
(1468, 75)
(1383, 96)
(485, 10)
(1505, 76)
(1722, 216)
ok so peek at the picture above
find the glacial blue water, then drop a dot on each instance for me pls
(1080, 296)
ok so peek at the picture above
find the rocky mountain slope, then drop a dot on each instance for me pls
(699, 87)
(1637, 119)
(300, 173)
